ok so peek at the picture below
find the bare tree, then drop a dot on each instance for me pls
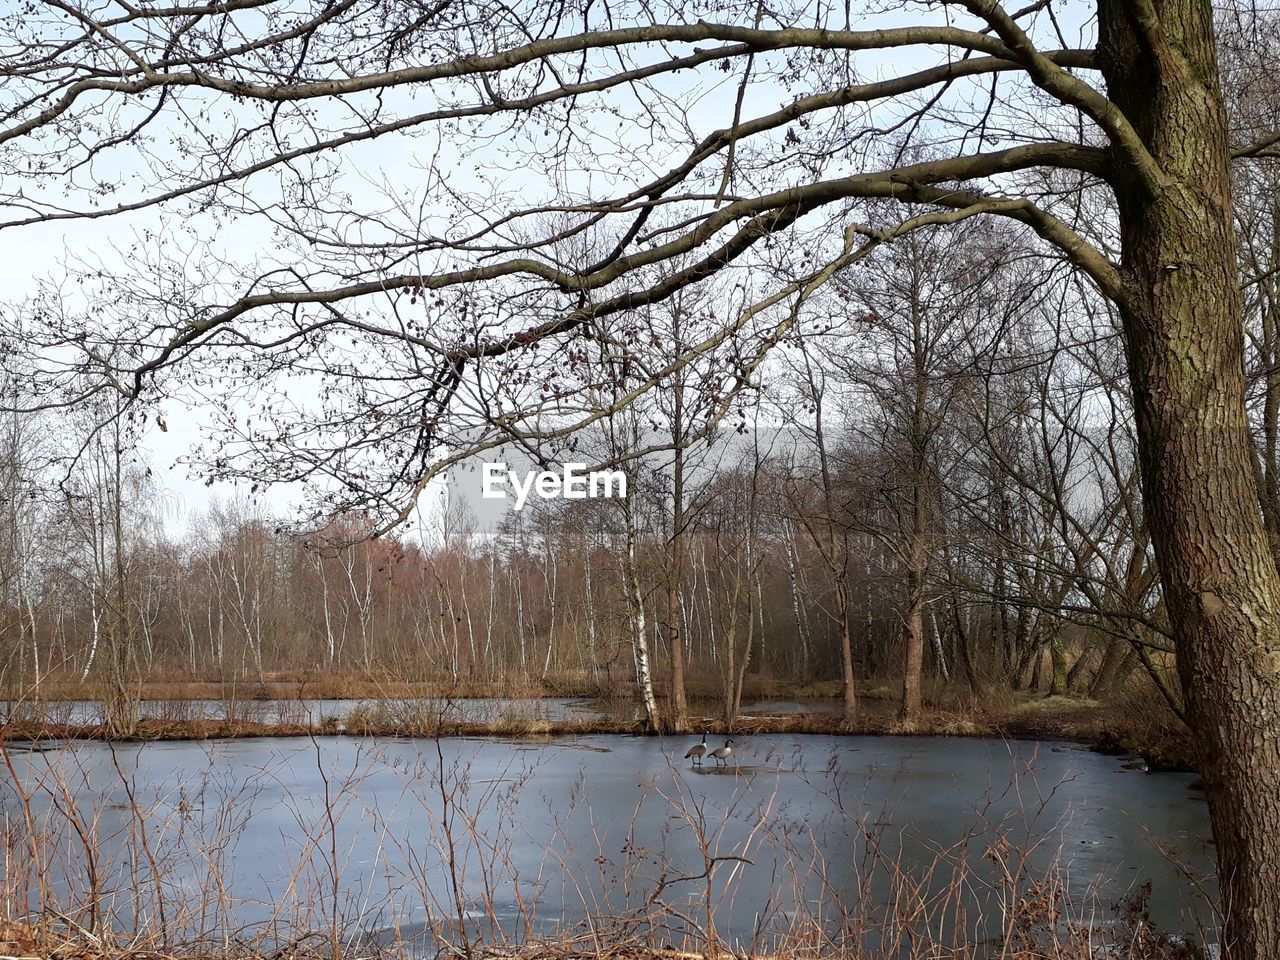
(444, 305)
(826, 521)
(22, 515)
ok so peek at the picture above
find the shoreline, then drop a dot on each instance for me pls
(1166, 753)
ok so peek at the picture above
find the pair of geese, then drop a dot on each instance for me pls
(699, 750)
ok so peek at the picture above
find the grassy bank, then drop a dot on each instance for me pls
(1109, 727)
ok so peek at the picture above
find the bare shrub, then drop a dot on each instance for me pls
(431, 851)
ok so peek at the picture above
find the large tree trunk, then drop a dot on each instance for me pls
(917, 549)
(1112, 658)
(1183, 325)
(963, 646)
(848, 684)
(913, 622)
(912, 664)
(1058, 661)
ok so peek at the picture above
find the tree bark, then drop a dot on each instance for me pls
(1183, 323)
(913, 622)
(848, 683)
(1112, 657)
(963, 646)
(1058, 660)
(639, 631)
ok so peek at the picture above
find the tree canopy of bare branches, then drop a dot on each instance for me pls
(427, 217)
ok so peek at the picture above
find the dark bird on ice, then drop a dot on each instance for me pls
(697, 751)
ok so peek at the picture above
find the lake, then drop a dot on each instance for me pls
(424, 841)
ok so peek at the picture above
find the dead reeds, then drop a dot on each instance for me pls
(408, 853)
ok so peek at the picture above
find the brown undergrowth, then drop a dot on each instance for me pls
(365, 685)
(24, 941)
(105, 870)
(1162, 749)
(1135, 722)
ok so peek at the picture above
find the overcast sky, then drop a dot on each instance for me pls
(33, 252)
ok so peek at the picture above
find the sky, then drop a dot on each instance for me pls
(38, 251)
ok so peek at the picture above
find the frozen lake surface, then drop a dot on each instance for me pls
(415, 837)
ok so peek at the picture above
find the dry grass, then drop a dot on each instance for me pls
(104, 905)
(1138, 722)
(1105, 728)
(22, 941)
(368, 685)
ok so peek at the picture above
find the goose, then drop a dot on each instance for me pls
(721, 754)
(697, 751)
